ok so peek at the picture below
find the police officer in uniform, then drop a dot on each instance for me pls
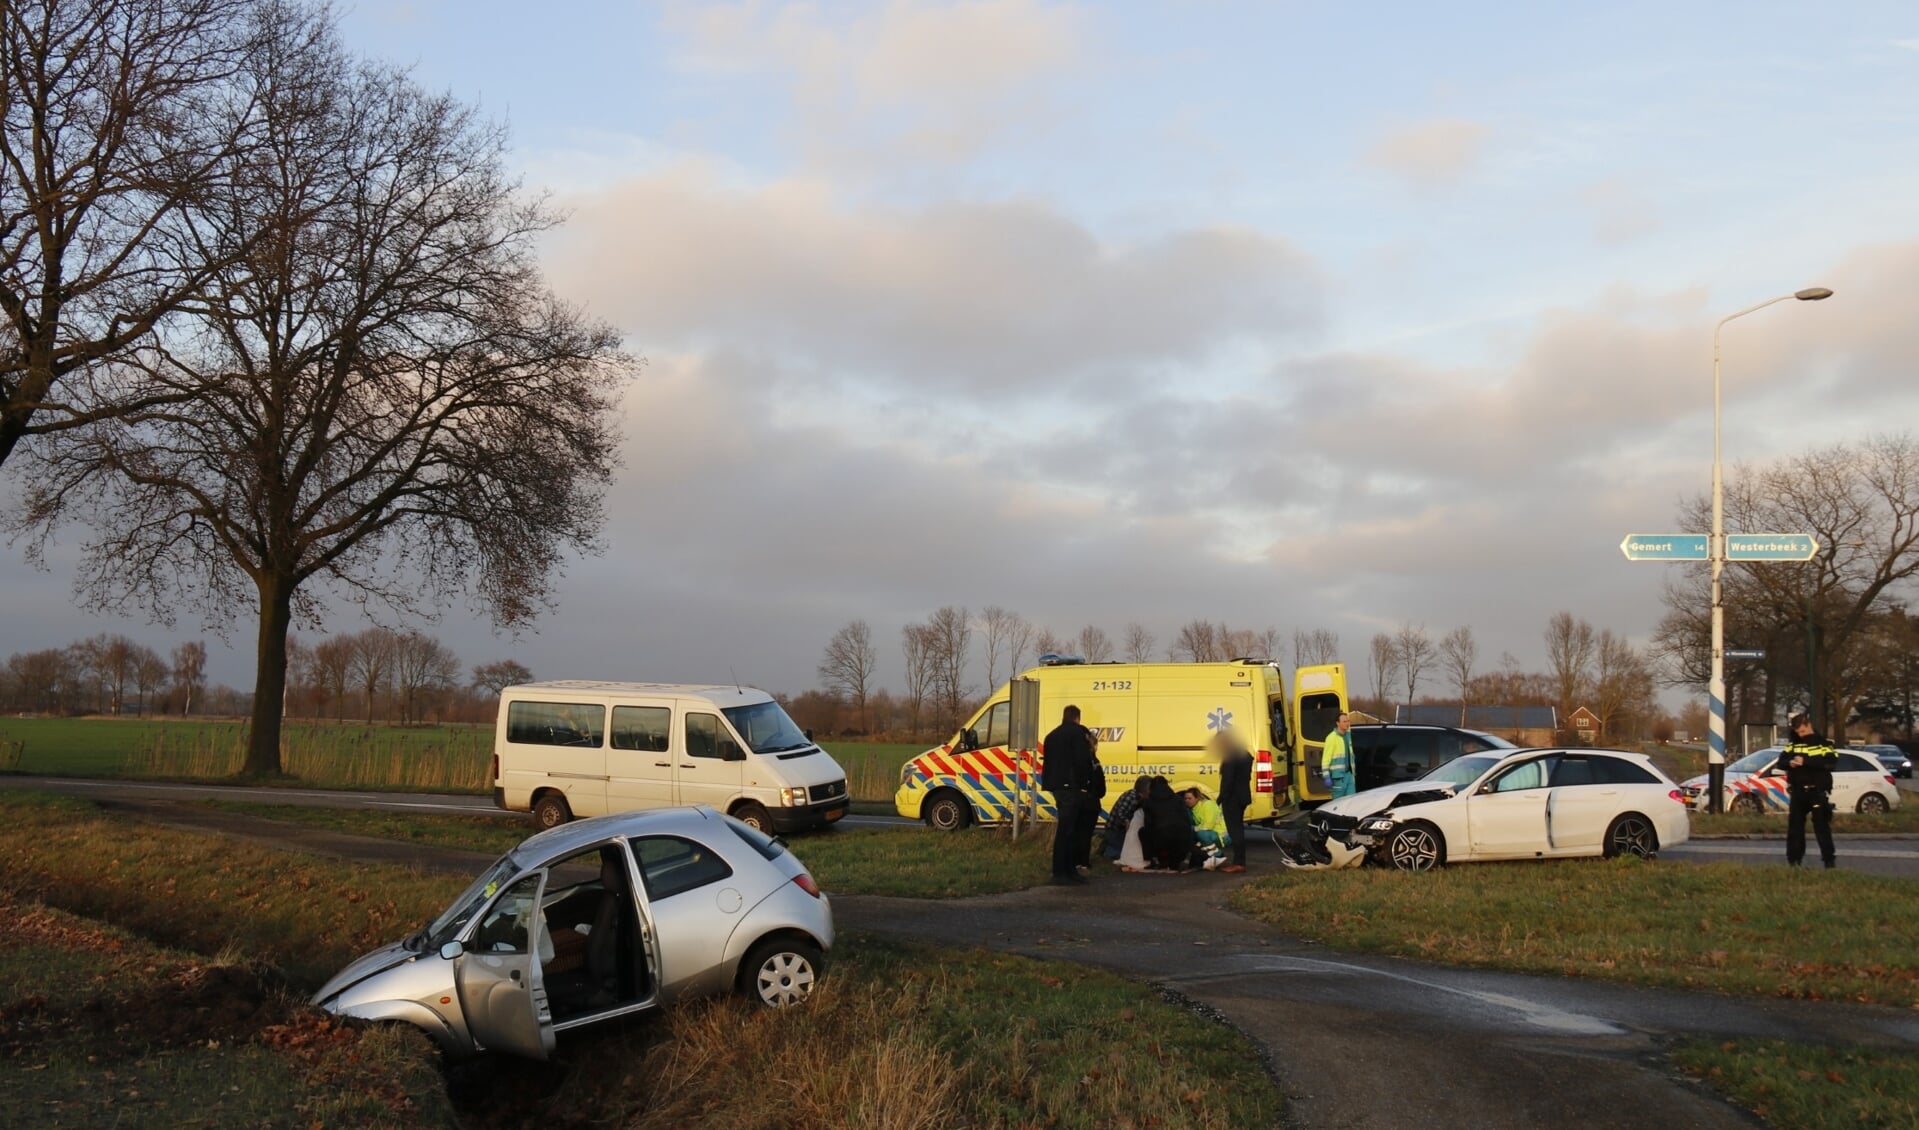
(1066, 770)
(1808, 760)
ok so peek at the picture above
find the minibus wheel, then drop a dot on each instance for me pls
(947, 811)
(550, 811)
(755, 816)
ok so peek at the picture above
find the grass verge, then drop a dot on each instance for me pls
(902, 1037)
(1774, 932)
(1807, 1086)
(101, 1028)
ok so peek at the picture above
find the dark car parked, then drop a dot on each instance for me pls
(1391, 752)
(1892, 757)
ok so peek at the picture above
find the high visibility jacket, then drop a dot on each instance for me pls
(1210, 823)
(1337, 760)
(1821, 760)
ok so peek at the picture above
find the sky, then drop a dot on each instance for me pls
(1285, 315)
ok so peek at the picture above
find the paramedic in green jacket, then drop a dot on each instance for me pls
(1337, 759)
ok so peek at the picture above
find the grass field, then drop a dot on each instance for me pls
(327, 754)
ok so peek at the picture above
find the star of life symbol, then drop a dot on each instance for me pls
(1220, 719)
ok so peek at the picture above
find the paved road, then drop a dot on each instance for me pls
(1357, 1041)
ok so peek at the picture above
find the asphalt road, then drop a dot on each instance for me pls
(1357, 1041)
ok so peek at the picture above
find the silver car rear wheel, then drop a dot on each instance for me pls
(781, 972)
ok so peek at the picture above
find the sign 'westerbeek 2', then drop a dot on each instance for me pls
(1771, 547)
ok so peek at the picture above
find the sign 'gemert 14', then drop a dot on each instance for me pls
(1739, 547)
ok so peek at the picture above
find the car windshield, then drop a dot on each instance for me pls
(765, 727)
(455, 917)
(1754, 762)
(1463, 770)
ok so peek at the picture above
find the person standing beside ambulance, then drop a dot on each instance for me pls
(1066, 771)
(1235, 792)
(1336, 759)
(1808, 760)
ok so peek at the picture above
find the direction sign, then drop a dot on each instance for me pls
(1745, 653)
(1770, 547)
(1664, 547)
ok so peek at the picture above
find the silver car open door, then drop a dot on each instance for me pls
(498, 974)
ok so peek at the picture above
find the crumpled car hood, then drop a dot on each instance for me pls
(380, 960)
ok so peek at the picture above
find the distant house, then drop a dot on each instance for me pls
(1586, 722)
(1521, 725)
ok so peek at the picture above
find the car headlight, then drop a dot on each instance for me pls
(793, 798)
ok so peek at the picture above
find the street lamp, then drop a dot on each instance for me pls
(1716, 552)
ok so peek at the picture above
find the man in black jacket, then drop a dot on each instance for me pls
(1066, 771)
(1235, 792)
(1808, 760)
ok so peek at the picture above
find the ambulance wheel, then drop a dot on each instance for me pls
(1632, 834)
(947, 811)
(754, 816)
(1416, 847)
(550, 811)
(1873, 802)
(1746, 804)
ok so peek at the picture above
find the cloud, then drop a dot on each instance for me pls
(1621, 213)
(1008, 297)
(1432, 153)
(909, 82)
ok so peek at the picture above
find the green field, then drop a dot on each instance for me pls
(327, 754)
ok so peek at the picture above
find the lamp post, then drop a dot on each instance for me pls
(1716, 553)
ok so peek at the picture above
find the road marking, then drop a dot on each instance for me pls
(1532, 1012)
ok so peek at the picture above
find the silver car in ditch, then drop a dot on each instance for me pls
(597, 919)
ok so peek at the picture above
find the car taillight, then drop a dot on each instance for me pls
(1263, 771)
(1891, 782)
(1678, 796)
(805, 883)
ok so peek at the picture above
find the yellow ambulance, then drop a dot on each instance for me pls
(1152, 719)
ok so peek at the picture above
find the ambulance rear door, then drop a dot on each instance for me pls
(1319, 697)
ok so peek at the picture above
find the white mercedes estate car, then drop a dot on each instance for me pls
(1524, 804)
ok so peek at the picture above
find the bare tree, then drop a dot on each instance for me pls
(921, 671)
(1048, 644)
(1458, 653)
(117, 119)
(1415, 652)
(1019, 637)
(1860, 502)
(329, 667)
(1266, 644)
(382, 398)
(1569, 653)
(849, 665)
(950, 636)
(1198, 642)
(1314, 648)
(421, 665)
(372, 663)
(189, 672)
(1385, 662)
(149, 675)
(1139, 643)
(495, 677)
(1094, 645)
(1622, 683)
(996, 631)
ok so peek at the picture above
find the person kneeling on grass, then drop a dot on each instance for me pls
(1167, 839)
(1209, 826)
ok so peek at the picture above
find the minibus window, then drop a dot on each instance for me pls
(703, 735)
(555, 723)
(645, 728)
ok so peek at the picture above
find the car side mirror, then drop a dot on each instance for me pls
(451, 950)
(730, 750)
(969, 739)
